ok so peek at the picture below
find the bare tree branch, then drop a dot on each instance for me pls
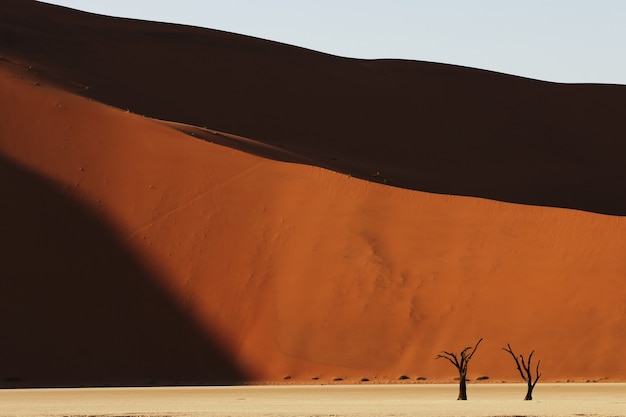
(474, 350)
(454, 362)
(519, 368)
(538, 375)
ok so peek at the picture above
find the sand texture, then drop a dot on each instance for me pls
(489, 400)
(186, 206)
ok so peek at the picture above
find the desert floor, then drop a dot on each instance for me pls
(338, 400)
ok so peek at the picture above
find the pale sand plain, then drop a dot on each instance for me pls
(572, 399)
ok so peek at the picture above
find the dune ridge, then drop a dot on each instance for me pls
(289, 269)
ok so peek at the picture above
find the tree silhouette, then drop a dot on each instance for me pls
(524, 370)
(460, 362)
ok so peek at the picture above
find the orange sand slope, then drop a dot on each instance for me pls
(138, 254)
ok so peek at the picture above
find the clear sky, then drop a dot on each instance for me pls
(553, 40)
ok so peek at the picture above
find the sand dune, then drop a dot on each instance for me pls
(263, 264)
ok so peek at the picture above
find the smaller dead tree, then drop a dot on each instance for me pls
(460, 362)
(524, 370)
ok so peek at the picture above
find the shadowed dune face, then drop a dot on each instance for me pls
(415, 125)
(182, 261)
(78, 307)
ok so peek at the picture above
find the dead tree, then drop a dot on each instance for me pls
(460, 362)
(524, 370)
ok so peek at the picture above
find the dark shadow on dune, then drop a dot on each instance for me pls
(416, 125)
(78, 309)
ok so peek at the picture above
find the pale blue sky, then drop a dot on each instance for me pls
(552, 40)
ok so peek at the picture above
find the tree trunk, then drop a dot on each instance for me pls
(462, 388)
(529, 393)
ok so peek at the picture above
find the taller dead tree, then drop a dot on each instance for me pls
(460, 362)
(524, 370)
